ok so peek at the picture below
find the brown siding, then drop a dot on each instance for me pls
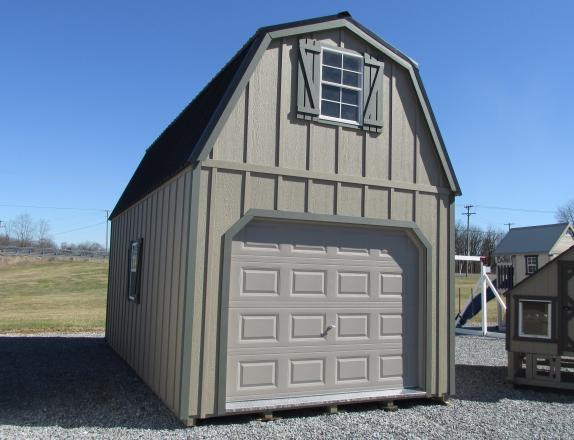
(285, 163)
(148, 335)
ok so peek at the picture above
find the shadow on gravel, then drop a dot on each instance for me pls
(73, 382)
(481, 383)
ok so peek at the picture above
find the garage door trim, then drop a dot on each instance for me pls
(258, 214)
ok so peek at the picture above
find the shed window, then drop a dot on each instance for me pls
(534, 319)
(134, 269)
(531, 264)
(341, 86)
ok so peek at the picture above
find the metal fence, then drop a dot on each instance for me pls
(52, 252)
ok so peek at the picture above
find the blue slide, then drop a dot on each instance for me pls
(474, 307)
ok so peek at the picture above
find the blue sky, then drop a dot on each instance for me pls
(85, 88)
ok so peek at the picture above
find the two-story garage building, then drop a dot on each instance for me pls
(288, 240)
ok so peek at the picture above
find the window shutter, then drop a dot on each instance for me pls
(373, 94)
(308, 78)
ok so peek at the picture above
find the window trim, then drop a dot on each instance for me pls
(521, 334)
(133, 291)
(359, 122)
(526, 257)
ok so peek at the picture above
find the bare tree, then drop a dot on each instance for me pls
(22, 229)
(490, 239)
(43, 233)
(565, 213)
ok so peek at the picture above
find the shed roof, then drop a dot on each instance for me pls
(531, 239)
(180, 144)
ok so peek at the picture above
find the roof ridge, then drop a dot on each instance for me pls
(540, 226)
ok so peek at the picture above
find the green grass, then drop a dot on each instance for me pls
(70, 296)
(54, 296)
(463, 286)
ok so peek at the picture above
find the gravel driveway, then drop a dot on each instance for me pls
(74, 386)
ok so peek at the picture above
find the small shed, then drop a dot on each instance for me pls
(540, 326)
(529, 248)
(288, 240)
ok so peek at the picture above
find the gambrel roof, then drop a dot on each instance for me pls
(531, 239)
(191, 135)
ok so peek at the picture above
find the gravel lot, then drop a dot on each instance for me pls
(73, 386)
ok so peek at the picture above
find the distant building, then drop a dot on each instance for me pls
(528, 249)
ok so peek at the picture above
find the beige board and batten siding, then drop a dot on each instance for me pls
(266, 158)
(148, 334)
(566, 241)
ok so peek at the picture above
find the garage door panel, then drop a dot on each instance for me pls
(283, 280)
(319, 310)
(270, 326)
(320, 373)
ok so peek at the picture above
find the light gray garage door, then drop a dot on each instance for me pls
(318, 309)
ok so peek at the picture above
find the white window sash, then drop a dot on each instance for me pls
(357, 122)
(520, 322)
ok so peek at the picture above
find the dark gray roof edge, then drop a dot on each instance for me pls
(541, 226)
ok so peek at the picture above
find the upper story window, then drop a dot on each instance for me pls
(534, 319)
(341, 86)
(531, 262)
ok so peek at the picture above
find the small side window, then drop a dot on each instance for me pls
(535, 319)
(134, 269)
(531, 262)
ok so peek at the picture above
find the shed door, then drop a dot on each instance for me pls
(566, 324)
(317, 309)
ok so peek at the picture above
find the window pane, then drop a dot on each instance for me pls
(330, 109)
(351, 79)
(352, 63)
(331, 92)
(134, 257)
(535, 316)
(332, 75)
(350, 97)
(349, 112)
(332, 58)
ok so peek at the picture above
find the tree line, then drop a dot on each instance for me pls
(25, 231)
(481, 242)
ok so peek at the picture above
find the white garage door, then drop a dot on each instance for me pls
(318, 309)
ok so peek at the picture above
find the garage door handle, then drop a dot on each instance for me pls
(330, 327)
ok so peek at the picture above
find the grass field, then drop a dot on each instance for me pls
(463, 286)
(53, 296)
(71, 296)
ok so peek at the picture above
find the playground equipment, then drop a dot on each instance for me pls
(483, 291)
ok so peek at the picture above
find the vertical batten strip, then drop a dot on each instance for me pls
(438, 318)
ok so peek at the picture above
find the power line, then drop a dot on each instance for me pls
(79, 229)
(539, 211)
(5, 205)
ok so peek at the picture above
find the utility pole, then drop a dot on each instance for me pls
(107, 226)
(468, 214)
(509, 225)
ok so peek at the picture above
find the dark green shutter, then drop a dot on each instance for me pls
(373, 94)
(308, 78)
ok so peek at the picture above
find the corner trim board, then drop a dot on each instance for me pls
(185, 379)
